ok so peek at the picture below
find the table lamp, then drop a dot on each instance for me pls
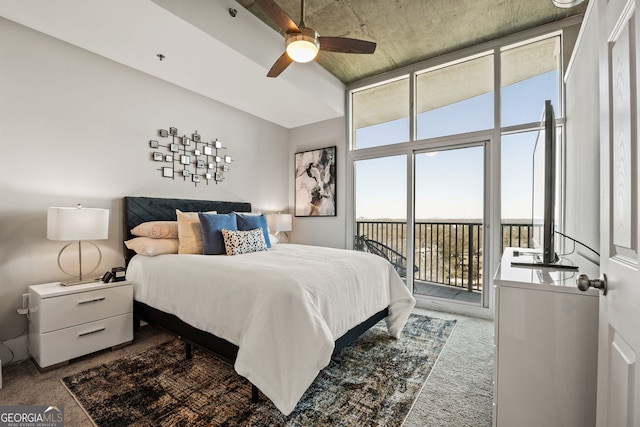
(77, 225)
(280, 223)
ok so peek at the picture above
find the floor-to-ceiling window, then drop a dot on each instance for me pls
(531, 74)
(441, 162)
(381, 208)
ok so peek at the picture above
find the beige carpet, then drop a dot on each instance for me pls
(457, 392)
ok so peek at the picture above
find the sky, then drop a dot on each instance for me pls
(449, 183)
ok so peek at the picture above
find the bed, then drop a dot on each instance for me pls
(278, 315)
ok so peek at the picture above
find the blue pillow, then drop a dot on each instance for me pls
(211, 226)
(249, 222)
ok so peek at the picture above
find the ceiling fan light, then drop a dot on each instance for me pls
(566, 4)
(303, 46)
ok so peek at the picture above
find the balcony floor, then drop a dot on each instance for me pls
(448, 292)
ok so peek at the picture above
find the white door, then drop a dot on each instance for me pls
(619, 329)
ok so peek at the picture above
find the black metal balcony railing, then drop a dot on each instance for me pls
(448, 253)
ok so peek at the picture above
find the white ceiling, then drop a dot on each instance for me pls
(206, 51)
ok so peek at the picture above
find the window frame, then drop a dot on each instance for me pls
(492, 200)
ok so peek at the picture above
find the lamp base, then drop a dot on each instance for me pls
(80, 282)
(282, 236)
(80, 278)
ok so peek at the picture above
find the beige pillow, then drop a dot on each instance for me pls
(151, 247)
(189, 233)
(157, 229)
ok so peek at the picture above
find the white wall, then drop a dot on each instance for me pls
(321, 231)
(74, 127)
(582, 196)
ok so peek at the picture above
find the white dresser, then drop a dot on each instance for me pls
(71, 321)
(546, 346)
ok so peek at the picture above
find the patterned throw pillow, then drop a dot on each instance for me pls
(243, 242)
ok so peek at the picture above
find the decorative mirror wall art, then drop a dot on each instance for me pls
(189, 157)
(316, 182)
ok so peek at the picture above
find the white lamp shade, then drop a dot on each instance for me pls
(77, 224)
(280, 222)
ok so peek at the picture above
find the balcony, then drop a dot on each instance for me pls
(448, 255)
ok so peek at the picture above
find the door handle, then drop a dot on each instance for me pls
(584, 283)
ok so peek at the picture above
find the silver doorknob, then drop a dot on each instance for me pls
(584, 283)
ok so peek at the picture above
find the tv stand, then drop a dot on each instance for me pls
(533, 259)
(555, 266)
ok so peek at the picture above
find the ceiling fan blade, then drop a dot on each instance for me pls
(280, 65)
(345, 45)
(278, 15)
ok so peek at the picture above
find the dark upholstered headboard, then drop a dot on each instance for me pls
(142, 209)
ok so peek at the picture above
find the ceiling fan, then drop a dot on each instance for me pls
(303, 43)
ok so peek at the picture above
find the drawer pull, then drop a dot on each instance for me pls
(91, 300)
(95, 331)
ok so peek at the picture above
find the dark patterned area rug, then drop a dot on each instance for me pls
(374, 381)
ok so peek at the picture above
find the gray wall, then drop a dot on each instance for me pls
(321, 231)
(582, 197)
(74, 128)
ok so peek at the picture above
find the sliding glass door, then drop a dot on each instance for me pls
(449, 223)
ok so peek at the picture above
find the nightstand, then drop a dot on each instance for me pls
(71, 321)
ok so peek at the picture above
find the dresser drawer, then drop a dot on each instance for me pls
(72, 309)
(59, 346)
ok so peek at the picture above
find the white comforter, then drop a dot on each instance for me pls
(283, 308)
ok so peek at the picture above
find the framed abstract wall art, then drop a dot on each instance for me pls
(315, 179)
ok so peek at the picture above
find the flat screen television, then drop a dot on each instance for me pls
(544, 194)
(544, 187)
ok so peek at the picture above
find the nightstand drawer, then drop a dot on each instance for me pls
(68, 343)
(82, 307)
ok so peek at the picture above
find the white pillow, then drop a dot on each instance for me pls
(157, 229)
(151, 247)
